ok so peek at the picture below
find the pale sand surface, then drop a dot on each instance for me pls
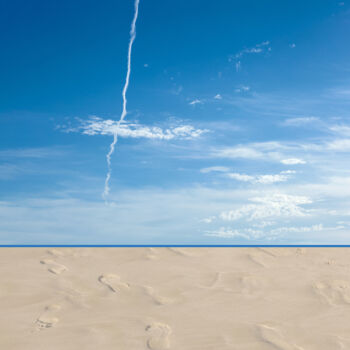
(172, 298)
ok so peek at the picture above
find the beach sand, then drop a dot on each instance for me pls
(175, 298)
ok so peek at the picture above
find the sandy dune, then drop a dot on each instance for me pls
(172, 298)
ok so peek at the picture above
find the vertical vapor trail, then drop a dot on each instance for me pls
(125, 89)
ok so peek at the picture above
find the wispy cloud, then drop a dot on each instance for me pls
(226, 232)
(339, 93)
(24, 161)
(9, 171)
(257, 49)
(285, 152)
(300, 121)
(39, 152)
(99, 126)
(215, 169)
(241, 177)
(303, 229)
(238, 66)
(242, 88)
(261, 179)
(196, 102)
(340, 129)
(293, 161)
(237, 152)
(280, 105)
(273, 206)
(259, 150)
(265, 179)
(253, 234)
(341, 145)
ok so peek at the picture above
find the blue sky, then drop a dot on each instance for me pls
(238, 126)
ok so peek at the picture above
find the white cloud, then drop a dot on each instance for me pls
(218, 97)
(255, 179)
(335, 190)
(288, 172)
(238, 152)
(208, 220)
(224, 232)
(260, 150)
(276, 205)
(281, 151)
(256, 49)
(9, 171)
(270, 179)
(260, 179)
(40, 152)
(300, 229)
(300, 121)
(241, 177)
(263, 224)
(251, 234)
(195, 102)
(238, 66)
(340, 93)
(342, 145)
(99, 126)
(293, 161)
(214, 169)
(242, 89)
(341, 129)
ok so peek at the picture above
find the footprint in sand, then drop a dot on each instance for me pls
(158, 299)
(179, 251)
(159, 338)
(300, 251)
(152, 254)
(55, 252)
(48, 318)
(275, 338)
(342, 343)
(261, 258)
(188, 252)
(265, 257)
(113, 282)
(53, 266)
(335, 292)
(281, 252)
(233, 282)
(251, 285)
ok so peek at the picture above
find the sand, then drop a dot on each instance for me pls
(175, 298)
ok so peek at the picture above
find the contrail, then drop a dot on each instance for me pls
(125, 89)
